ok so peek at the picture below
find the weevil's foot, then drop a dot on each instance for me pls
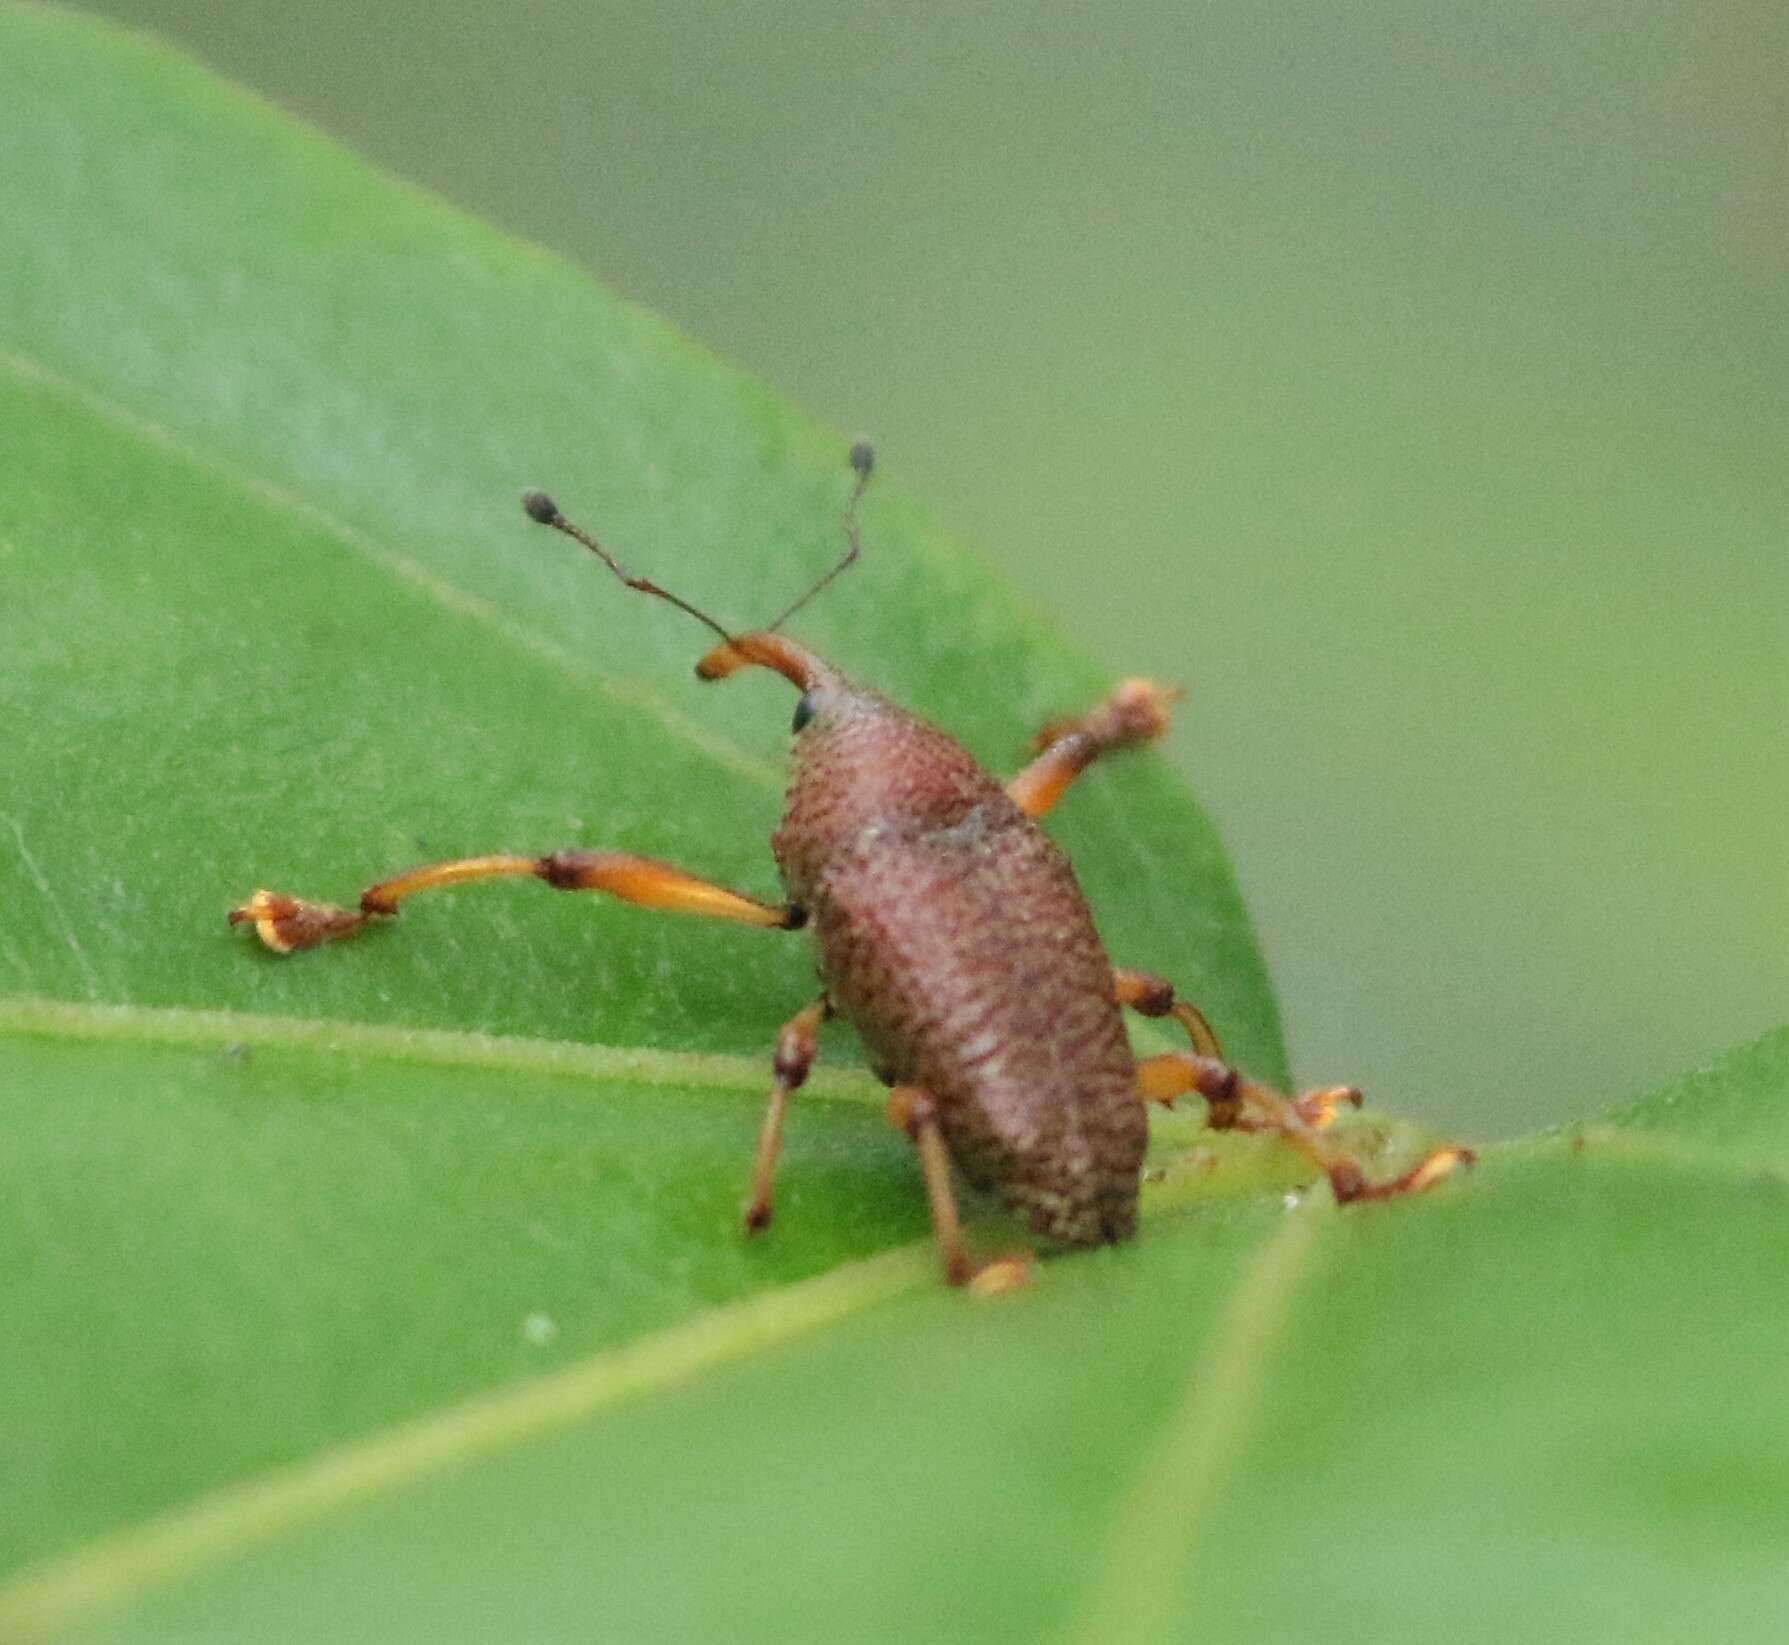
(1348, 1183)
(1003, 1274)
(757, 1217)
(1318, 1109)
(287, 924)
(1135, 712)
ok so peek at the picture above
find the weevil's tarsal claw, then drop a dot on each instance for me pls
(997, 1278)
(1136, 711)
(1318, 1109)
(286, 924)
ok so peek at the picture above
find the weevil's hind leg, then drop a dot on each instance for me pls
(288, 923)
(913, 1111)
(1136, 712)
(796, 1047)
(1234, 1099)
(1152, 996)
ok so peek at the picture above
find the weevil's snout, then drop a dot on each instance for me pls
(799, 666)
(720, 662)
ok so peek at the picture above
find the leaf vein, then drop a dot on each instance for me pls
(177, 1026)
(1134, 1589)
(60, 1592)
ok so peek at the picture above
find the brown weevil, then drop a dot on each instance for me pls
(951, 934)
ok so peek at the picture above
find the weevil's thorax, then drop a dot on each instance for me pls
(860, 763)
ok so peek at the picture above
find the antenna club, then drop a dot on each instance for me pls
(541, 508)
(863, 458)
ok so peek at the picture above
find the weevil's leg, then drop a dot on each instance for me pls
(913, 1111)
(1233, 1097)
(1152, 996)
(796, 1047)
(1136, 712)
(287, 923)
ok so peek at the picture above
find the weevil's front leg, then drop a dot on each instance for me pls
(1136, 712)
(287, 923)
(1152, 996)
(796, 1047)
(913, 1111)
(1234, 1098)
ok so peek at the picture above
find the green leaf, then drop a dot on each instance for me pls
(395, 1292)
(272, 615)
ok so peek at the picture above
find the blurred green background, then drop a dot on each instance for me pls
(1409, 382)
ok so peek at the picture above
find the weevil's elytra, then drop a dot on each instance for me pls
(950, 932)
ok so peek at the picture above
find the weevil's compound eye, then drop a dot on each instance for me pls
(804, 710)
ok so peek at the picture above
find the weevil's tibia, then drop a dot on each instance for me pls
(913, 1111)
(1136, 712)
(288, 923)
(796, 1047)
(1235, 1101)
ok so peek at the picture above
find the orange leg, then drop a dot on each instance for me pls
(287, 923)
(796, 1047)
(913, 1111)
(1136, 712)
(1152, 996)
(1234, 1099)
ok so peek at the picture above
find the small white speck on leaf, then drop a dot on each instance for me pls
(539, 1329)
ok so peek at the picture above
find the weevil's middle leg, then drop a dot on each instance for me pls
(1136, 712)
(796, 1047)
(287, 923)
(913, 1111)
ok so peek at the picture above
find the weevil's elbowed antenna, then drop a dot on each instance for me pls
(863, 462)
(765, 647)
(541, 508)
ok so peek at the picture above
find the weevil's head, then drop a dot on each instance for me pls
(832, 707)
(859, 759)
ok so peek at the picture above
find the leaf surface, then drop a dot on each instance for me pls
(271, 615)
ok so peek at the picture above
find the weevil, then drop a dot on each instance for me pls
(950, 932)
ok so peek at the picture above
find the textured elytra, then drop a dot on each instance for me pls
(953, 936)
